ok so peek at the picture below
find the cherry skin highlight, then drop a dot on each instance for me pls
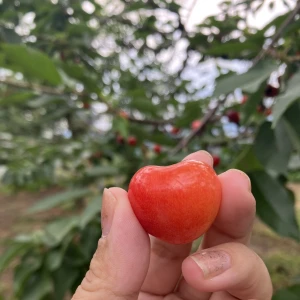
(176, 203)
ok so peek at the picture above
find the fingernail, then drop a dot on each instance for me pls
(212, 263)
(246, 180)
(109, 203)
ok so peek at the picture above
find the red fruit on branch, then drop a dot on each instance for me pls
(196, 124)
(175, 130)
(233, 117)
(177, 203)
(261, 108)
(157, 149)
(132, 141)
(271, 91)
(244, 99)
(217, 160)
(123, 114)
(86, 105)
(268, 111)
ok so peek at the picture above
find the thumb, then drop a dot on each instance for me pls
(228, 269)
(120, 264)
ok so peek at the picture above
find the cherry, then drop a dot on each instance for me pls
(175, 130)
(244, 99)
(268, 111)
(271, 91)
(132, 141)
(123, 114)
(86, 105)
(260, 108)
(233, 117)
(176, 203)
(196, 124)
(157, 149)
(217, 160)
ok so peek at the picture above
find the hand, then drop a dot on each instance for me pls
(130, 265)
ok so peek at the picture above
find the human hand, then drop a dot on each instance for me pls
(128, 265)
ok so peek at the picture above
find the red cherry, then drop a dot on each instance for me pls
(175, 130)
(244, 99)
(271, 91)
(196, 124)
(157, 149)
(260, 108)
(217, 160)
(233, 117)
(132, 141)
(268, 111)
(86, 105)
(176, 203)
(123, 114)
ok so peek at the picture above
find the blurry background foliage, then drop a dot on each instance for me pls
(90, 91)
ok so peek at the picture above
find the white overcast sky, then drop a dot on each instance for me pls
(205, 8)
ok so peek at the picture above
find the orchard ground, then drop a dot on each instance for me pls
(280, 254)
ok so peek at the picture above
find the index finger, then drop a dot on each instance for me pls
(235, 219)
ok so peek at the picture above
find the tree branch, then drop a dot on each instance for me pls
(278, 33)
(205, 120)
(57, 92)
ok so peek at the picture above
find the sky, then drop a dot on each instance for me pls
(203, 9)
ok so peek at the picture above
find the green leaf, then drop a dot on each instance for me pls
(102, 171)
(23, 271)
(250, 106)
(58, 199)
(64, 279)
(290, 293)
(121, 125)
(31, 62)
(40, 286)
(43, 100)
(61, 228)
(249, 81)
(9, 36)
(16, 98)
(234, 49)
(285, 100)
(11, 253)
(275, 205)
(92, 210)
(291, 119)
(273, 148)
(247, 161)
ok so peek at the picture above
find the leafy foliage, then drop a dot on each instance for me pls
(87, 88)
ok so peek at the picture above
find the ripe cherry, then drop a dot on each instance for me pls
(217, 160)
(233, 117)
(157, 149)
(196, 124)
(123, 114)
(86, 105)
(175, 130)
(271, 91)
(260, 108)
(268, 111)
(132, 141)
(176, 203)
(244, 99)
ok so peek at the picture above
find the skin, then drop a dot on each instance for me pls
(130, 265)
